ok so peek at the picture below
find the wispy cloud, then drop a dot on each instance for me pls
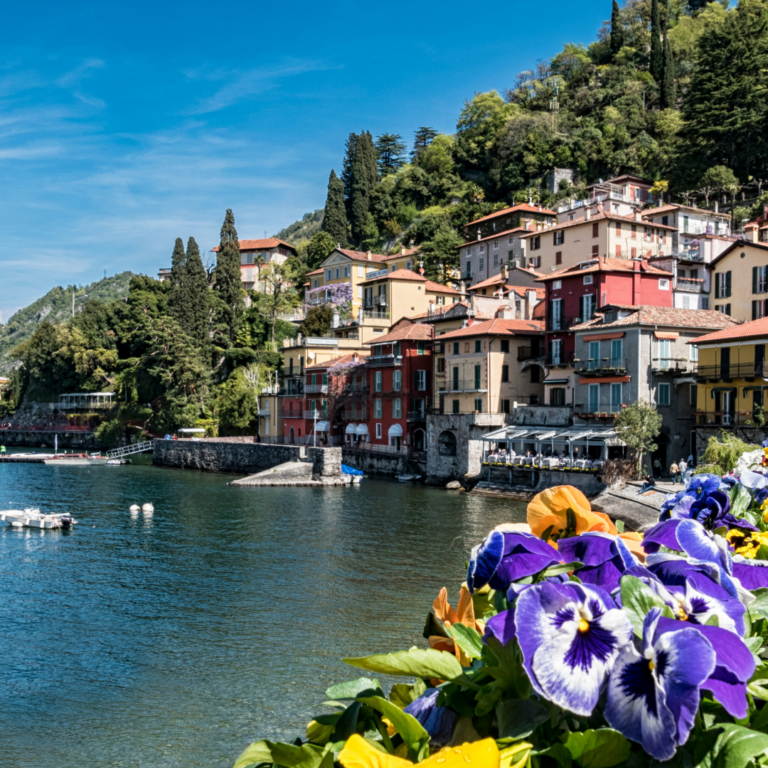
(83, 70)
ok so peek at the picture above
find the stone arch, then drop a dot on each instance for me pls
(446, 443)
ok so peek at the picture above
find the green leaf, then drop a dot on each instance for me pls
(556, 570)
(637, 600)
(287, 755)
(403, 694)
(519, 718)
(410, 729)
(558, 753)
(414, 663)
(759, 608)
(467, 639)
(728, 745)
(619, 525)
(601, 748)
(488, 701)
(432, 627)
(508, 670)
(346, 725)
(363, 686)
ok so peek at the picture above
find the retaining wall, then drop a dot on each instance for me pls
(375, 463)
(83, 440)
(218, 456)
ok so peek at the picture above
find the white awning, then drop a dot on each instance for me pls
(395, 431)
(323, 426)
(362, 429)
(351, 429)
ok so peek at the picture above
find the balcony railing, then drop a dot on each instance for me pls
(380, 361)
(602, 366)
(563, 323)
(319, 415)
(376, 314)
(564, 359)
(357, 388)
(356, 415)
(729, 418)
(528, 353)
(599, 411)
(264, 412)
(313, 389)
(465, 385)
(418, 415)
(676, 367)
(733, 371)
(692, 285)
(374, 448)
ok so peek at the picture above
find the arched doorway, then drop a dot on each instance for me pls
(419, 440)
(446, 443)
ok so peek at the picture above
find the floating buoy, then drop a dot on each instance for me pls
(135, 507)
(149, 508)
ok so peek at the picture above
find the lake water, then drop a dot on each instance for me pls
(177, 639)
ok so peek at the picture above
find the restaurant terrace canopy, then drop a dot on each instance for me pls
(539, 439)
(78, 400)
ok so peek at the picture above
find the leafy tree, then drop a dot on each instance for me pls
(370, 237)
(722, 454)
(720, 180)
(667, 96)
(317, 322)
(440, 254)
(197, 297)
(390, 152)
(638, 426)
(279, 296)
(335, 217)
(657, 56)
(237, 406)
(422, 139)
(480, 122)
(319, 249)
(228, 283)
(617, 31)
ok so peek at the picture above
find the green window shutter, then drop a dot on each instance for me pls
(717, 285)
(477, 377)
(455, 377)
(754, 310)
(581, 308)
(754, 284)
(728, 284)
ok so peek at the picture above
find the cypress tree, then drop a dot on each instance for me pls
(197, 296)
(335, 217)
(364, 178)
(657, 57)
(346, 169)
(178, 279)
(667, 97)
(617, 31)
(228, 283)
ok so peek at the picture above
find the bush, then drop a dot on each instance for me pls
(108, 433)
(722, 454)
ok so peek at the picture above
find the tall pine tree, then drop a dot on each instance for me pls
(390, 151)
(667, 96)
(422, 138)
(657, 56)
(617, 30)
(335, 217)
(176, 300)
(346, 169)
(228, 283)
(364, 177)
(197, 297)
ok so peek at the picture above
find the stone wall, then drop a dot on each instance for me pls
(326, 462)
(215, 456)
(535, 480)
(79, 440)
(375, 463)
(542, 416)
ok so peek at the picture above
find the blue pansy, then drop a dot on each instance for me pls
(752, 574)
(765, 443)
(570, 636)
(438, 722)
(710, 509)
(653, 693)
(503, 558)
(606, 558)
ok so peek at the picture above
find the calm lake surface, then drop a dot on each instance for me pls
(177, 639)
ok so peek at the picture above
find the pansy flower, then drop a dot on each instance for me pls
(570, 636)
(438, 722)
(606, 558)
(464, 614)
(502, 558)
(653, 693)
(752, 574)
(564, 511)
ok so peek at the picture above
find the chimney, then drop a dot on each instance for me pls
(587, 213)
(717, 207)
(421, 268)
(368, 255)
(402, 250)
(638, 216)
(479, 234)
(463, 289)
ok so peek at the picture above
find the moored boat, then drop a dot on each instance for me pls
(34, 518)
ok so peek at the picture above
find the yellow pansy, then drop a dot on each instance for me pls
(358, 753)
(746, 543)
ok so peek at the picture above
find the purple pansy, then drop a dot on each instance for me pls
(606, 558)
(752, 574)
(570, 636)
(503, 558)
(653, 693)
(438, 722)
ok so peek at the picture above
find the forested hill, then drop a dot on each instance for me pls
(302, 231)
(675, 91)
(56, 307)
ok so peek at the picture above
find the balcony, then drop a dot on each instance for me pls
(314, 389)
(691, 254)
(356, 415)
(469, 385)
(563, 360)
(729, 418)
(562, 323)
(293, 388)
(605, 366)
(357, 388)
(690, 284)
(418, 415)
(384, 361)
(589, 412)
(747, 371)
(676, 366)
(376, 314)
(319, 415)
(264, 412)
(528, 353)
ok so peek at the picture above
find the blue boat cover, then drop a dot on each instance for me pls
(351, 470)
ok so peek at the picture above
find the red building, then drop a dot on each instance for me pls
(574, 294)
(398, 383)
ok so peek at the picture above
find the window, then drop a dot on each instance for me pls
(663, 394)
(478, 346)
(594, 398)
(495, 245)
(455, 377)
(616, 356)
(511, 240)
(722, 285)
(455, 406)
(378, 431)
(615, 397)
(455, 347)
(633, 251)
(618, 229)
(361, 271)
(346, 271)
(648, 234)
(409, 264)
(329, 274)
(557, 237)
(557, 285)
(377, 380)
(392, 267)
(536, 243)
(595, 229)
(479, 404)
(595, 251)
(557, 396)
(481, 265)
(664, 354)
(586, 307)
(378, 408)
(663, 284)
(505, 345)
(477, 377)
(466, 347)
(759, 279)
(505, 406)
(505, 373)
(693, 353)
(397, 408)
(441, 365)
(337, 272)
(705, 302)
(421, 381)
(556, 351)
(594, 355)
(633, 233)
(685, 223)
(618, 251)
(421, 347)
(694, 274)
(588, 279)
(495, 259)
(759, 309)
(558, 258)
(397, 380)
(535, 374)
(556, 320)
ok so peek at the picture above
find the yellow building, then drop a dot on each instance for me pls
(270, 415)
(740, 281)
(482, 373)
(732, 375)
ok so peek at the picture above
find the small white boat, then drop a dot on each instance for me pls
(34, 518)
(408, 478)
(75, 461)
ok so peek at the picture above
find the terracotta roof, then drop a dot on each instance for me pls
(734, 246)
(497, 327)
(442, 310)
(414, 331)
(521, 207)
(606, 264)
(752, 330)
(493, 236)
(628, 177)
(361, 255)
(337, 361)
(674, 207)
(316, 272)
(597, 217)
(663, 316)
(540, 311)
(409, 274)
(401, 255)
(259, 245)
(489, 283)
(522, 291)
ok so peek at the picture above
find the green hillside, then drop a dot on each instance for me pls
(56, 307)
(302, 230)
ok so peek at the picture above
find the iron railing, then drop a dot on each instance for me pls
(733, 371)
(563, 359)
(528, 353)
(601, 366)
(381, 361)
(311, 389)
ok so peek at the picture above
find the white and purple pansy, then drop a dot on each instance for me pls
(605, 558)
(505, 557)
(653, 693)
(570, 636)
(752, 574)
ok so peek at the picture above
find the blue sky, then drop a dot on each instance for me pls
(126, 125)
